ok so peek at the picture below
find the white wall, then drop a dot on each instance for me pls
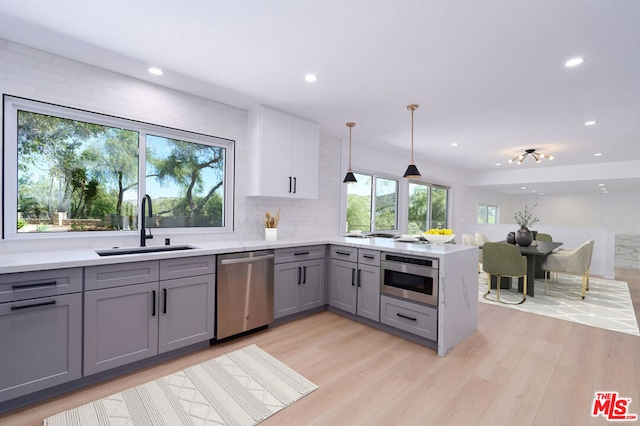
(38, 75)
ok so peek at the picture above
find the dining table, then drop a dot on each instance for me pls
(536, 254)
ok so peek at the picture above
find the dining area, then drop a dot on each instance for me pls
(509, 266)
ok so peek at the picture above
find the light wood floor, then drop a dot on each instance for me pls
(517, 369)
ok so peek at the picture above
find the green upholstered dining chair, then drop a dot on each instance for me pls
(503, 260)
(574, 262)
(544, 237)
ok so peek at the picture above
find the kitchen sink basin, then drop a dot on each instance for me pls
(116, 251)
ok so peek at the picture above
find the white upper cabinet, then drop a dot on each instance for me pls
(284, 154)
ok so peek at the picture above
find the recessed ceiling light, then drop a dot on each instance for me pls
(601, 184)
(597, 154)
(590, 122)
(155, 71)
(498, 164)
(573, 62)
(605, 192)
(524, 187)
(454, 144)
(310, 78)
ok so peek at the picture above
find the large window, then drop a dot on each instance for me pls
(427, 207)
(372, 204)
(487, 213)
(68, 170)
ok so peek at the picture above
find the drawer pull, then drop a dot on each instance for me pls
(406, 317)
(368, 256)
(344, 253)
(34, 285)
(300, 253)
(33, 305)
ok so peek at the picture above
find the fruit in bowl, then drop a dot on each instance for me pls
(439, 235)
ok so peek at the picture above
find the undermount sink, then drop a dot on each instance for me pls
(137, 250)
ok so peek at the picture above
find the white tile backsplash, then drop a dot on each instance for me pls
(43, 76)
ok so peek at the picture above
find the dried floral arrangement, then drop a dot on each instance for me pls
(271, 221)
(526, 218)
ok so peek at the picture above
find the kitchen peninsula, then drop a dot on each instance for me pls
(454, 314)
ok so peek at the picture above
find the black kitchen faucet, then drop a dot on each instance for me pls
(143, 228)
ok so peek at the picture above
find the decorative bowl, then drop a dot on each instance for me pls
(438, 239)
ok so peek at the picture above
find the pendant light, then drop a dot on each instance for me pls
(350, 177)
(412, 170)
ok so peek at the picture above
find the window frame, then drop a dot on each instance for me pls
(486, 213)
(372, 206)
(431, 186)
(9, 179)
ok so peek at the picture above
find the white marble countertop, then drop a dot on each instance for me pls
(51, 259)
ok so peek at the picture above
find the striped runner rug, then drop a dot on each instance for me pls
(243, 387)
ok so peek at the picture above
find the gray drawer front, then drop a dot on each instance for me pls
(116, 275)
(369, 257)
(183, 267)
(350, 254)
(29, 285)
(411, 317)
(294, 254)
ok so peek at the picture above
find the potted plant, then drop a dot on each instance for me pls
(525, 219)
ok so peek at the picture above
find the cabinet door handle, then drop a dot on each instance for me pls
(153, 303)
(34, 285)
(289, 184)
(295, 184)
(359, 273)
(344, 253)
(33, 305)
(353, 277)
(304, 275)
(299, 274)
(300, 253)
(406, 317)
(164, 296)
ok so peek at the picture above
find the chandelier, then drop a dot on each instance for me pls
(532, 152)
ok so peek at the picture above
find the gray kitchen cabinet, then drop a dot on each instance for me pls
(355, 281)
(127, 319)
(298, 280)
(285, 152)
(120, 326)
(186, 311)
(415, 318)
(41, 330)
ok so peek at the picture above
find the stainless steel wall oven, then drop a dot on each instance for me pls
(409, 277)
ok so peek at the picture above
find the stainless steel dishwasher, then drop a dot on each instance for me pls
(245, 292)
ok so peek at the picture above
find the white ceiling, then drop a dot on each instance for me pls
(488, 75)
